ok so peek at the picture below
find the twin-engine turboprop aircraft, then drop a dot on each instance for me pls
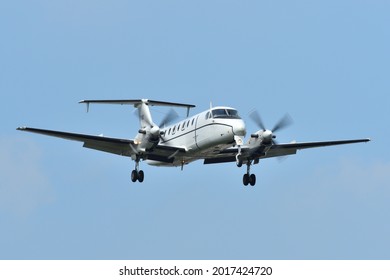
(215, 136)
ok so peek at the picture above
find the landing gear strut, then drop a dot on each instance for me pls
(249, 178)
(137, 174)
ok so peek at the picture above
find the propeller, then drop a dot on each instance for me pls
(257, 119)
(269, 135)
(284, 122)
(156, 130)
(169, 118)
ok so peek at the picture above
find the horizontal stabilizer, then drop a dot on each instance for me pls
(137, 102)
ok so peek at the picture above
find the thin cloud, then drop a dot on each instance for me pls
(24, 187)
(354, 179)
(365, 177)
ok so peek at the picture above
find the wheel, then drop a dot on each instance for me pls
(141, 176)
(239, 163)
(134, 176)
(245, 179)
(252, 180)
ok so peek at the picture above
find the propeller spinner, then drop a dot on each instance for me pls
(268, 135)
(156, 130)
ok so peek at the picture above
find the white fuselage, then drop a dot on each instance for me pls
(208, 132)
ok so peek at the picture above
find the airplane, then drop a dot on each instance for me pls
(214, 136)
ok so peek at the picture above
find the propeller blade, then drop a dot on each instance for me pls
(283, 123)
(169, 117)
(282, 158)
(257, 119)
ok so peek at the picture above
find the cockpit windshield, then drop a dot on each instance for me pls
(225, 114)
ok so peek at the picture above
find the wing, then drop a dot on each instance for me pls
(277, 150)
(123, 147)
(291, 148)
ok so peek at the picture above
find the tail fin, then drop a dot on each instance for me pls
(145, 117)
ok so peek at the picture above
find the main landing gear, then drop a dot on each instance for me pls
(136, 174)
(249, 179)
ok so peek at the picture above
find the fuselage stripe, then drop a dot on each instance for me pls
(195, 131)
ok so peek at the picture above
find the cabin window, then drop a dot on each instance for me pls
(178, 128)
(193, 120)
(174, 129)
(188, 123)
(169, 132)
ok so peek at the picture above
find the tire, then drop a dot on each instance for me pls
(252, 180)
(245, 179)
(141, 176)
(134, 176)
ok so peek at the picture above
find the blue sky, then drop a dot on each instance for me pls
(326, 63)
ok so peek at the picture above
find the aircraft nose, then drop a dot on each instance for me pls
(239, 128)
